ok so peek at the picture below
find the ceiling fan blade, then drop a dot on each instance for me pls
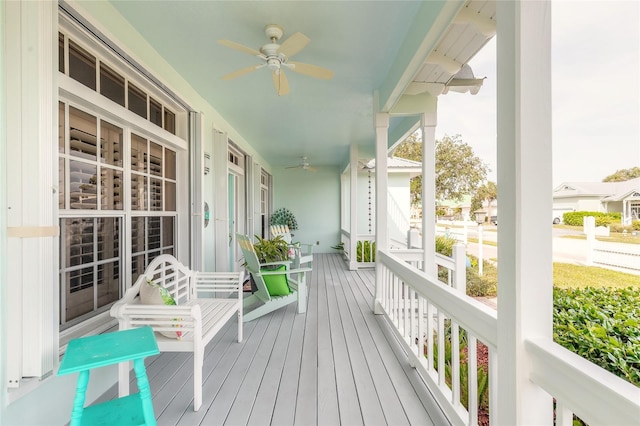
(240, 47)
(242, 71)
(280, 82)
(293, 44)
(310, 70)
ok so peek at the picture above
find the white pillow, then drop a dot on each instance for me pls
(154, 294)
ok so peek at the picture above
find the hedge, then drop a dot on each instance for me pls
(602, 219)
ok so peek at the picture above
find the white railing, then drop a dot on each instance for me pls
(398, 221)
(459, 234)
(434, 322)
(456, 265)
(428, 317)
(580, 387)
(365, 251)
(621, 255)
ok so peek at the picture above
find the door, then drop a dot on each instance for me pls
(237, 207)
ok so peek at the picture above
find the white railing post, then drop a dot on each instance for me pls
(589, 224)
(460, 260)
(480, 257)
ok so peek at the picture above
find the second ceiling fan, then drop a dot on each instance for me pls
(276, 56)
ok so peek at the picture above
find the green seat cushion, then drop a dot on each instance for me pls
(277, 285)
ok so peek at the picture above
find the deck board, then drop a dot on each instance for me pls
(335, 364)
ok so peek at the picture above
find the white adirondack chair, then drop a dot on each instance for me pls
(261, 302)
(303, 252)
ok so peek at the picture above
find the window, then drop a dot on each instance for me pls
(93, 210)
(137, 101)
(112, 84)
(82, 65)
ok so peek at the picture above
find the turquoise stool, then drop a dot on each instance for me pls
(87, 353)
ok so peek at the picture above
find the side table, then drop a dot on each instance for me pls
(91, 352)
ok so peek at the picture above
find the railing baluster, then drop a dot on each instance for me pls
(441, 351)
(455, 364)
(405, 310)
(430, 329)
(493, 384)
(412, 317)
(564, 416)
(421, 336)
(472, 386)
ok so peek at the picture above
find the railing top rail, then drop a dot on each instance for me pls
(471, 314)
(417, 255)
(592, 393)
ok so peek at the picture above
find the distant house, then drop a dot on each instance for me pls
(623, 197)
(458, 209)
(400, 171)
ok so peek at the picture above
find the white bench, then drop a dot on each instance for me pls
(205, 301)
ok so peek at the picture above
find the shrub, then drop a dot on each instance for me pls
(369, 252)
(485, 285)
(618, 227)
(602, 219)
(601, 325)
(636, 225)
(444, 245)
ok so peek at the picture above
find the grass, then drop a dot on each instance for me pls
(615, 238)
(484, 242)
(565, 275)
(576, 276)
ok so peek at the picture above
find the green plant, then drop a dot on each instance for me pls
(366, 251)
(482, 285)
(636, 225)
(339, 247)
(601, 325)
(283, 216)
(602, 219)
(274, 250)
(444, 245)
(483, 376)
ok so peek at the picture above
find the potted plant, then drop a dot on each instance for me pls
(268, 251)
(274, 250)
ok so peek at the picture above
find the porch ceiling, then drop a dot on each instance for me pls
(372, 46)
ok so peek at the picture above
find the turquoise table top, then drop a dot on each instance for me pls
(106, 349)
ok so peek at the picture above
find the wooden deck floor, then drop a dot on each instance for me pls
(333, 365)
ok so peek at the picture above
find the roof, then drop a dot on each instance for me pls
(398, 165)
(607, 191)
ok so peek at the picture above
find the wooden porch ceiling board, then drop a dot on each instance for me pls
(333, 365)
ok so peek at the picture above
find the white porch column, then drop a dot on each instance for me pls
(524, 180)
(428, 126)
(382, 229)
(353, 207)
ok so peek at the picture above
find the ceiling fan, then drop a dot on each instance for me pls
(276, 56)
(304, 165)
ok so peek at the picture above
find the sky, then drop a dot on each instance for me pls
(595, 93)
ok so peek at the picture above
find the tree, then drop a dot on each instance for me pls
(623, 174)
(411, 149)
(458, 170)
(487, 192)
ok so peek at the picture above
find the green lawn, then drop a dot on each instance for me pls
(565, 275)
(613, 238)
(576, 276)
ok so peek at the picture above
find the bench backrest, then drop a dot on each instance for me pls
(166, 271)
(282, 230)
